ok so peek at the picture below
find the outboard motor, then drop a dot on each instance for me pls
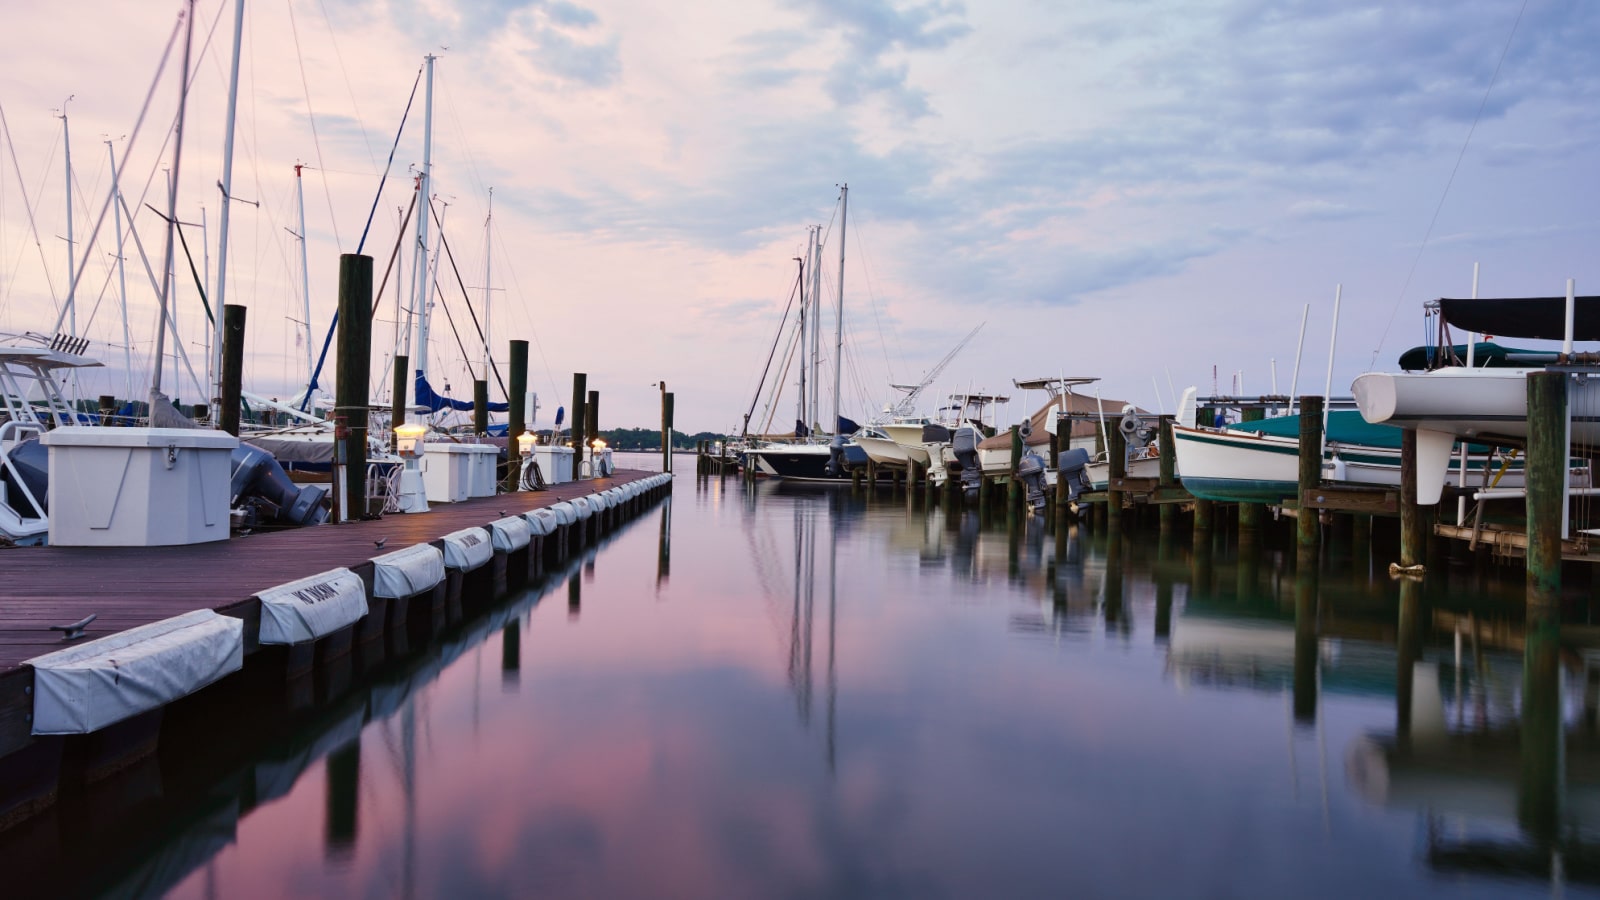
(965, 447)
(836, 457)
(1031, 472)
(1136, 432)
(261, 485)
(935, 434)
(1073, 468)
(31, 461)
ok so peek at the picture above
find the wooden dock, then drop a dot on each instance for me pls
(129, 587)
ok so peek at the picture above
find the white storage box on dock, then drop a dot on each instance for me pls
(138, 487)
(447, 471)
(88, 686)
(555, 463)
(483, 460)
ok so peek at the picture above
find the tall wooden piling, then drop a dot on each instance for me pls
(666, 432)
(1546, 478)
(517, 410)
(580, 387)
(1251, 514)
(228, 404)
(1307, 530)
(398, 388)
(1117, 471)
(353, 389)
(1168, 470)
(591, 418)
(1411, 539)
(480, 406)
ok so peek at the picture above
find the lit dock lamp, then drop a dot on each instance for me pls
(601, 458)
(408, 445)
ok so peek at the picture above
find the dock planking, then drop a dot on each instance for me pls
(132, 586)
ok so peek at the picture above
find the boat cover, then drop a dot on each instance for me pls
(542, 522)
(511, 533)
(311, 608)
(1345, 426)
(1486, 355)
(407, 573)
(1543, 318)
(565, 512)
(88, 686)
(467, 549)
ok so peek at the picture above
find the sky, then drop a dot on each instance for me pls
(1147, 192)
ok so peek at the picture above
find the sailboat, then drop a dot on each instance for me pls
(815, 461)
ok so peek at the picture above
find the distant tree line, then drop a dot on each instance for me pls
(647, 438)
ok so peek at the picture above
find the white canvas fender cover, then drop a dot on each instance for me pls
(542, 522)
(467, 549)
(312, 608)
(510, 534)
(565, 512)
(88, 686)
(582, 508)
(407, 573)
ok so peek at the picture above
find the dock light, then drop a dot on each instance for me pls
(598, 444)
(525, 442)
(408, 439)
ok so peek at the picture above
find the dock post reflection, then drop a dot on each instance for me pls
(1113, 597)
(1163, 579)
(1305, 644)
(664, 544)
(1408, 650)
(511, 656)
(574, 595)
(343, 806)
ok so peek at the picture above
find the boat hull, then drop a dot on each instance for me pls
(799, 462)
(1489, 405)
(884, 452)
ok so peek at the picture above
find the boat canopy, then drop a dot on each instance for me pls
(1485, 355)
(1345, 426)
(1533, 318)
(435, 401)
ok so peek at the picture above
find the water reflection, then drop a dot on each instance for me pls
(836, 697)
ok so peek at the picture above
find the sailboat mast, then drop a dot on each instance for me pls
(220, 294)
(838, 334)
(800, 412)
(488, 247)
(816, 306)
(305, 280)
(419, 355)
(72, 270)
(172, 204)
(122, 280)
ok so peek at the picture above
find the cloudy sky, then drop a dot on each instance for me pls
(1122, 190)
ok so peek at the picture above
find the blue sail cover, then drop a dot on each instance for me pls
(435, 402)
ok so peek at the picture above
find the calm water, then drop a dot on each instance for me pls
(802, 693)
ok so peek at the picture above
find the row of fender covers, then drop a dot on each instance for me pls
(85, 687)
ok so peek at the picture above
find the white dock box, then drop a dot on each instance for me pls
(447, 471)
(138, 487)
(554, 462)
(483, 461)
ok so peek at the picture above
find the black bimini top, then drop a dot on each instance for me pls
(1541, 318)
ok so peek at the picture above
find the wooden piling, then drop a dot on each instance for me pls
(1546, 478)
(1411, 539)
(352, 392)
(591, 419)
(233, 316)
(398, 388)
(1308, 532)
(666, 432)
(1117, 471)
(516, 411)
(1251, 514)
(1168, 474)
(575, 424)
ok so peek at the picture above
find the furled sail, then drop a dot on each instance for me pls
(435, 401)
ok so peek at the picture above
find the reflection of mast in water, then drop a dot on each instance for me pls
(408, 785)
(833, 603)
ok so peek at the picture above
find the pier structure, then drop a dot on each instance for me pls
(289, 609)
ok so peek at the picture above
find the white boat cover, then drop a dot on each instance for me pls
(407, 573)
(467, 549)
(86, 687)
(542, 522)
(565, 512)
(312, 607)
(511, 533)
